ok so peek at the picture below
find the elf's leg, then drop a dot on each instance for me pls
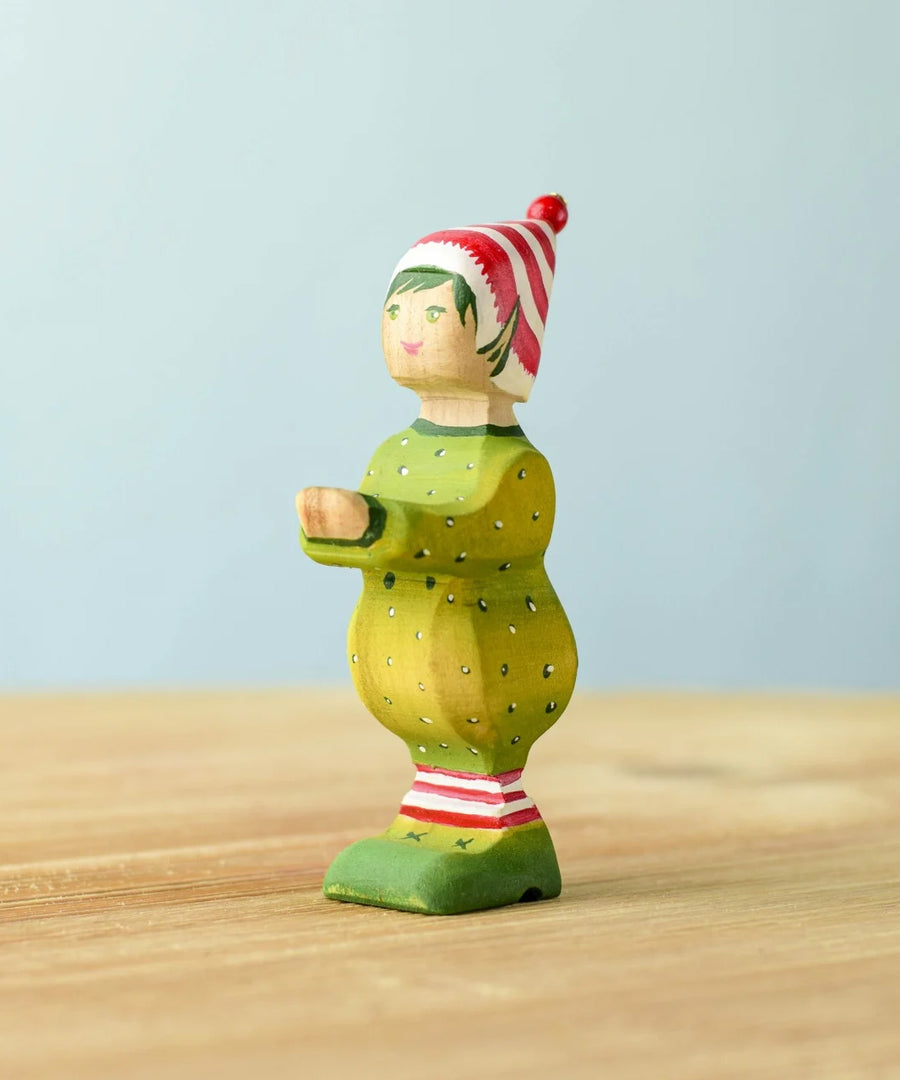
(461, 842)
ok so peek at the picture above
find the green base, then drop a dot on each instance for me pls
(424, 868)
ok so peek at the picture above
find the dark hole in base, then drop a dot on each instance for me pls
(530, 895)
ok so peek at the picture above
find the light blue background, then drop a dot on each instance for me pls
(201, 205)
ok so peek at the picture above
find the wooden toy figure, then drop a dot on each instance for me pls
(458, 644)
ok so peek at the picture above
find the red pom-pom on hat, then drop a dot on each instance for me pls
(550, 208)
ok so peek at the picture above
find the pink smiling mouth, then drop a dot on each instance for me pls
(412, 347)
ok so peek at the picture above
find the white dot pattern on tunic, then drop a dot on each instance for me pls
(489, 735)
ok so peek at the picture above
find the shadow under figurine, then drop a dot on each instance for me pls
(458, 644)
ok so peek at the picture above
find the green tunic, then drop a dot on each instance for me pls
(458, 644)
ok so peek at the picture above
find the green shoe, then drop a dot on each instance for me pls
(440, 870)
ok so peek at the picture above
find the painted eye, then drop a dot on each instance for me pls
(433, 313)
(393, 311)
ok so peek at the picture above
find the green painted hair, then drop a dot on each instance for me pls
(417, 278)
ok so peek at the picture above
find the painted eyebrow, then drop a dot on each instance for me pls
(391, 308)
(435, 307)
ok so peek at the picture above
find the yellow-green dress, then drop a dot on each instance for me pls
(459, 643)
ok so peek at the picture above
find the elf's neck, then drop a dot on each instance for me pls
(469, 411)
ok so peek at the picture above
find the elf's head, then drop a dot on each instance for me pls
(466, 308)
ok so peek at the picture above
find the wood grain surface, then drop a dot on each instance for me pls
(730, 908)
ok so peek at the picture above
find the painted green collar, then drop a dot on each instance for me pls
(426, 427)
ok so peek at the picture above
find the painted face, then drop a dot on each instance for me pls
(425, 344)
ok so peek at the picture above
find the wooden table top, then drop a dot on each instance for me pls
(730, 907)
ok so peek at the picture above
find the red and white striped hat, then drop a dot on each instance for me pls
(500, 263)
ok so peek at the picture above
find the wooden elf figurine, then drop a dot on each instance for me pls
(458, 644)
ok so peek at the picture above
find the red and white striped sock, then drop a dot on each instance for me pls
(469, 800)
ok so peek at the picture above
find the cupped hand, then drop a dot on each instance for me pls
(332, 513)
